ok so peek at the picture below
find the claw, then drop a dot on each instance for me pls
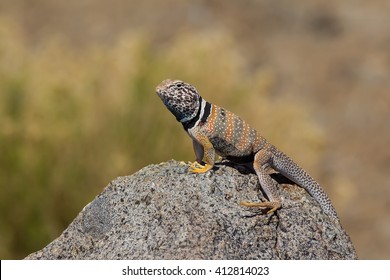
(274, 205)
(196, 167)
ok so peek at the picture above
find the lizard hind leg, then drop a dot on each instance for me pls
(268, 185)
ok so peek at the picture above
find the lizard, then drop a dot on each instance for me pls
(217, 131)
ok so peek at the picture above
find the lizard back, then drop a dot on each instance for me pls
(232, 137)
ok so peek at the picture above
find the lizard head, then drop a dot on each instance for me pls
(182, 99)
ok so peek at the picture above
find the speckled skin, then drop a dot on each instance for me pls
(215, 130)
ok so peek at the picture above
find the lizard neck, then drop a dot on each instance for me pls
(201, 117)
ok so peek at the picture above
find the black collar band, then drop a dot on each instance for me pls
(191, 123)
(206, 113)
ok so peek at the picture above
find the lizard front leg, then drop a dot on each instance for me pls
(261, 160)
(204, 150)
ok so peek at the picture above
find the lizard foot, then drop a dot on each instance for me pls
(274, 205)
(196, 167)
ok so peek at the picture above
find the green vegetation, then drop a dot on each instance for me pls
(72, 119)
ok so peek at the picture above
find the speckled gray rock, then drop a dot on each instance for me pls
(163, 212)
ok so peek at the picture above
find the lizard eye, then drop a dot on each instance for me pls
(178, 85)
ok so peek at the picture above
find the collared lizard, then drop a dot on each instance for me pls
(215, 130)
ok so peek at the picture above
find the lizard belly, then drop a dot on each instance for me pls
(228, 149)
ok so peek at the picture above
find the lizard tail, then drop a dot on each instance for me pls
(288, 168)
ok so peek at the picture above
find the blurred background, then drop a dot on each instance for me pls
(78, 107)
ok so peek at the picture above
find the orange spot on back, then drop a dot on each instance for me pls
(212, 118)
(229, 128)
(244, 136)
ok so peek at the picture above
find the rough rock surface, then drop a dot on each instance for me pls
(163, 212)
